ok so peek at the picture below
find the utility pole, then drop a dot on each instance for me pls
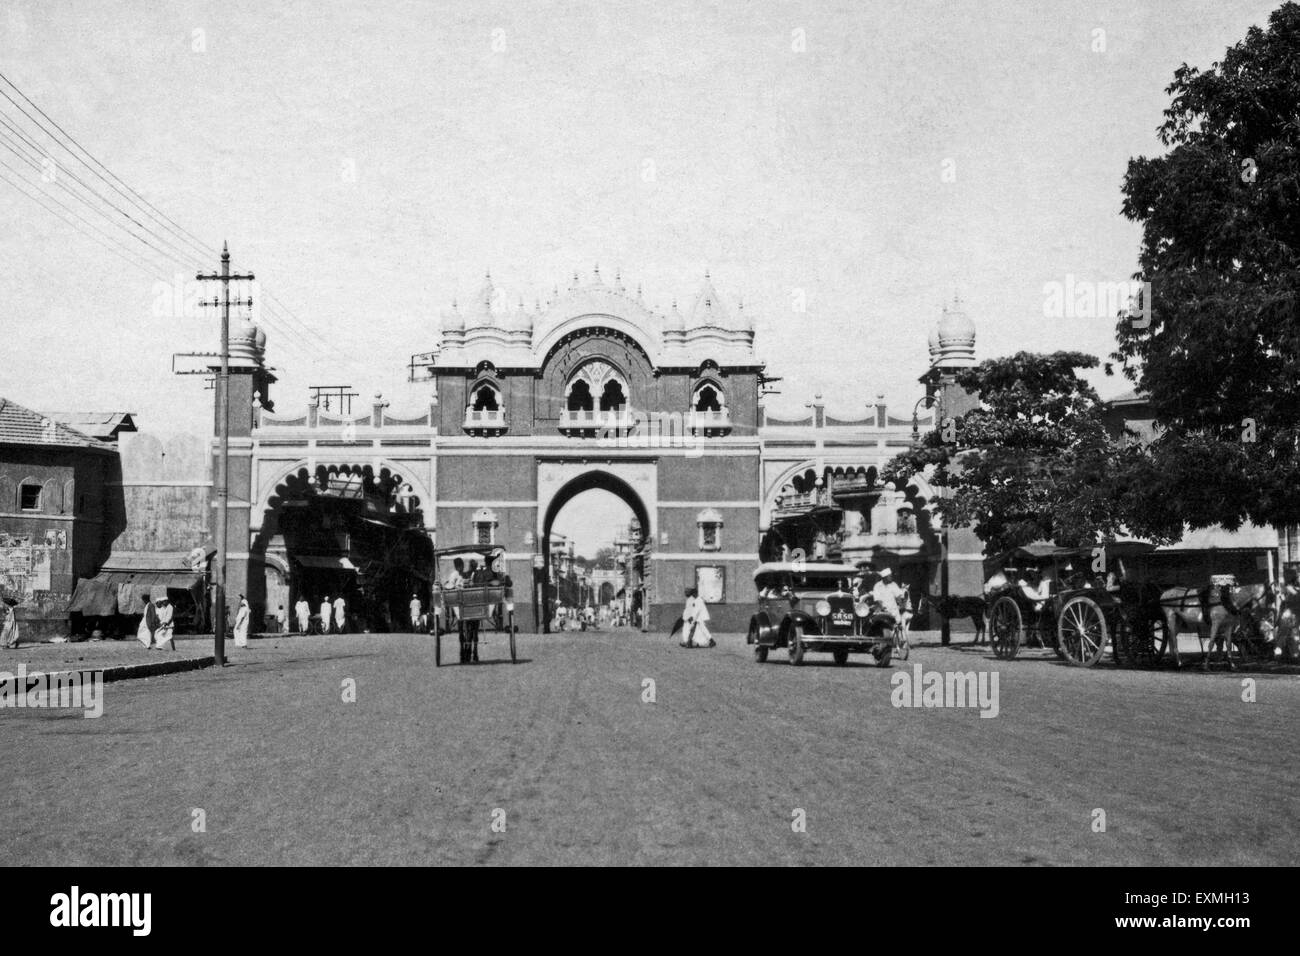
(223, 454)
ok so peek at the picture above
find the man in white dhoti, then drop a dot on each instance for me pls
(415, 613)
(163, 636)
(148, 624)
(695, 617)
(242, 617)
(340, 615)
(325, 610)
(303, 612)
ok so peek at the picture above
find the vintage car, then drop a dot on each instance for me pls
(808, 606)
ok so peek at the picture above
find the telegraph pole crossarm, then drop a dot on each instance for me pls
(225, 277)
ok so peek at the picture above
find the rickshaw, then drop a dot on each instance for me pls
(469, 608)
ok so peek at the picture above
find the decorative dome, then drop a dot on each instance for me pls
(952, 344)
(674, 321)
(480, 313)
(744, 321)
(519, 320)
(247, 344)
(955, 326)
(708, 310)
(251, 334)
(452, 320)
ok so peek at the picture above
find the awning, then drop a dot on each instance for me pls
(332, 561)
(95, 597)
(124, 592)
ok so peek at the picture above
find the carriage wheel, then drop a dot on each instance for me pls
(1139, 642)
(510, 623)
(760, 650)
(797, 648)
(1081, 631)
(1249, 642)
(1005, 628)
(902, 648)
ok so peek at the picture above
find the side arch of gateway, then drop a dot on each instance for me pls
(459, 470)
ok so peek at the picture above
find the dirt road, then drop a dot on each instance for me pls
(574, 760)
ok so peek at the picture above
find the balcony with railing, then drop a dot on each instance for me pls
(801, 502)
(716, 421)
(592, 420)
(485, 421)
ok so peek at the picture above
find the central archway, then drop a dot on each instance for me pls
(593, 480)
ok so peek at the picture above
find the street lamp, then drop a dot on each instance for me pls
(936, 522)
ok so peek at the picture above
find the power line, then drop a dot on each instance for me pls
(207, 252)
(150, 269)
(274, 305)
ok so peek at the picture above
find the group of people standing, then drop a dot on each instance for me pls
(333, 614)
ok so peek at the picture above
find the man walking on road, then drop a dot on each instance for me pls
(415, 612)
(303, 610)
(340, 615)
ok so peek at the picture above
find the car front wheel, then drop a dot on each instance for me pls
(796, 645)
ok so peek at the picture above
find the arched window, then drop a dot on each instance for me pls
(580, 399)
(612, 397)
(709, 398)
(597, 384)
(485, 527)
(486, 398)
(29, 495)
(710, 524)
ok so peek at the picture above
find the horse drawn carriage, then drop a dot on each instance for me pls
(1110, 596)
(486, 599)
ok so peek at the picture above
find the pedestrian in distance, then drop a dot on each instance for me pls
(282, 619)
(148, 623)
(242, 617)
(303, 611)
(8, 623)
(326, 609)
(415, 613)
(695, 617)
(340, 614)
(163, 635)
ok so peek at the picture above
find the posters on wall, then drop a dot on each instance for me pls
(25, 568)
(710, 582)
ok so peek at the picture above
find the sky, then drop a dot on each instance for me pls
(369, 162)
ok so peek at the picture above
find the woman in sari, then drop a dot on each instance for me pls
(8, 623)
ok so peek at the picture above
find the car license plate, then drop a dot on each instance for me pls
(842, 618)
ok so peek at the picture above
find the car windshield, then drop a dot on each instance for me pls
(819, 582)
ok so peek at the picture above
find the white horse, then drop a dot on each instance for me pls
(1184, 610)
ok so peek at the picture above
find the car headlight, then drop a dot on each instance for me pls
(823, 608)
(861, 610)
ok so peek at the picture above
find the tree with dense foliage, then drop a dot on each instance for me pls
(1219, 358)
(1034, 460)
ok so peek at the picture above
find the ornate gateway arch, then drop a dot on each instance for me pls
(526, 409)
(597, 390)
